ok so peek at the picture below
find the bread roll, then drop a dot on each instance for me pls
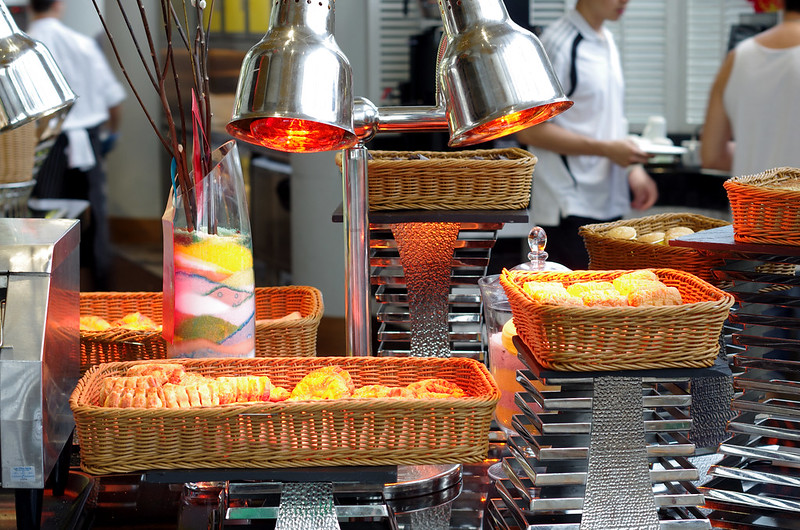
(622, 232)
(678, 231)
(654, 238)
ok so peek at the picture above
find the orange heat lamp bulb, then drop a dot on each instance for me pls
(300, 136)
(511, 123)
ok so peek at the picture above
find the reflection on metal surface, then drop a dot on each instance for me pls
(617, 453)
(307, 505)
(578, 434)
(756, 484)
(461, 264)
(426, 252)
(39, 358)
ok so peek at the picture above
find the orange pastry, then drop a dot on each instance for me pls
(279, 393)
(381, 391)
(655, 295)
(550, 293)
(163, 372)
(435, 388)
(93, 323)
(137, 321)
(329, 382)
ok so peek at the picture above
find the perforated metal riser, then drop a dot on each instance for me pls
(428, 301)
(601, 452)
(756, 484)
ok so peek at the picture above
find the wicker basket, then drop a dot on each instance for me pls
(345, 432)
(17, 150)
(273, 339)
(483, 179)
(620, 338)
(607, 253)
(762, 211)
(118, 344)
(288, 338)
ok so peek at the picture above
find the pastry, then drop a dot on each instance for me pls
(622, 232)
(550, 293)
(655, 295)
(435, 388)
(677, 231)
(655, 238)
(329, 382)
(93, 323)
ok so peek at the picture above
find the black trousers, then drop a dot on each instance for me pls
(55, 180)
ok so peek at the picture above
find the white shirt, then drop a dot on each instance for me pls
(760, 100)
(86, 70)
(586, 186)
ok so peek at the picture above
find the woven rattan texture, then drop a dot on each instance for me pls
(620, 338)
(607, 253)
(17, 154)
(345, 432)
(295, 338)
(763, 212)
(480, 179)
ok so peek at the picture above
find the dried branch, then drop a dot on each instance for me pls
(163, 74)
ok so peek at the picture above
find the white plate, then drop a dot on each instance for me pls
(654, 148)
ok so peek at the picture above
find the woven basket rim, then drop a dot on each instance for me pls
(757, 180)
(596, 229)
(724, 298)
(388, 158)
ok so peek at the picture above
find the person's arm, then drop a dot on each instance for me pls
(716, 145)
(644, 190)
(114, 118)
(554, 138)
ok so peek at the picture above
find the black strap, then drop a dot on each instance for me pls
(573, 70)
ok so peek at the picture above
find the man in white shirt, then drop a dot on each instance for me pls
(74, 167)
(588, 171)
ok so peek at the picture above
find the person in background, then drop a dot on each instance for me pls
(753, 120)
(588, 170)
(74, 167)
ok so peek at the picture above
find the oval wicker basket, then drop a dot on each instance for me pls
(607, 253)
(481, 179)
(763, 211)
(569, 338)
(296, 338)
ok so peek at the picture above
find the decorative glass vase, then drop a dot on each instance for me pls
(209, 284)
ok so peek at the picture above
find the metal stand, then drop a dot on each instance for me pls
(598, 450)
(756, 484)
(404, 247)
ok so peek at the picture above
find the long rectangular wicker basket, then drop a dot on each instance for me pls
(607, 253)
(343, 432)
(293, 338)
(764, 210)
(570, 338)
(479, 179)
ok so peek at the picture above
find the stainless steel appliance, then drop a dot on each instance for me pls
(39, 351)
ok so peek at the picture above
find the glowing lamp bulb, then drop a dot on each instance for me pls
(511, 123)
(299, 136)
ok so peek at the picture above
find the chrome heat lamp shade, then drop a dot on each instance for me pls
(295, 86)
(31, 84)
(494, 76)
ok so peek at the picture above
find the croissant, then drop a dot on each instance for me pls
(329, 382)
